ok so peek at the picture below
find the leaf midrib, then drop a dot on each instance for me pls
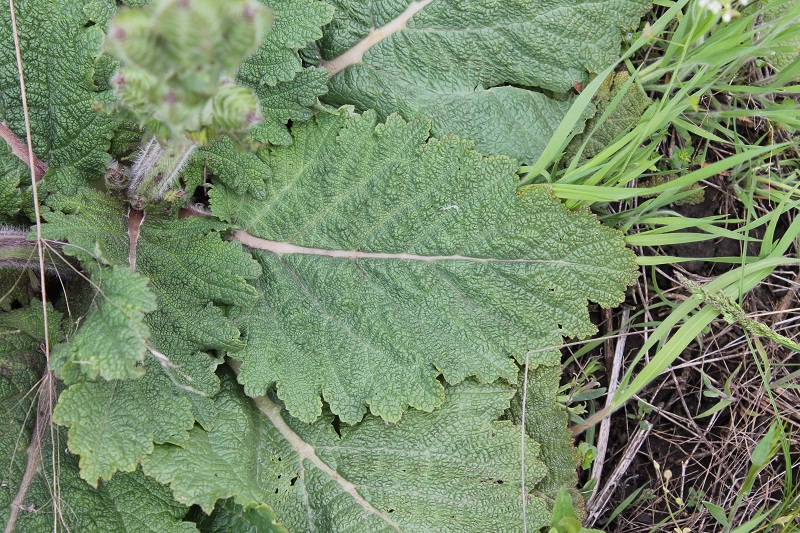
(286, 248)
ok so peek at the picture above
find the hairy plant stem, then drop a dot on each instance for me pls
(157, 168)
(19, 149)
(44, 417)
(17, 252)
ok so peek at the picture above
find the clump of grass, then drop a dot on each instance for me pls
(723, 119)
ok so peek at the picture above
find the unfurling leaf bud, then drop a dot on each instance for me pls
(137, 88)
(234, 108)
(176, 54)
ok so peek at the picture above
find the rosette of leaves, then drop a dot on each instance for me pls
(374, 283)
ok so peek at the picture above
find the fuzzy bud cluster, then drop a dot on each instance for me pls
(178, 58)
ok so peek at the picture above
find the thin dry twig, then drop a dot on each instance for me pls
(613, 383)
(597, 505)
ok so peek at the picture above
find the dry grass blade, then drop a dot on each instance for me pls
(45, 406)
(44, 415)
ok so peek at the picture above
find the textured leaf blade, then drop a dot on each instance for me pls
(288, 100)
(297, 23)
(448, 59)
(242, 171)
(546, 423)
(113, 424)
(59, 48)
(193, 272)
(230, 517)
(217, 464)
(389, 258)
(621, 119)
(430, 472)
(12, 173)
(112, 339)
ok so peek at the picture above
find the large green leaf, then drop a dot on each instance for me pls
(113, 424)
(477, 69)
(455, 469)
(130, 503)
(59, 48)
(390, 257)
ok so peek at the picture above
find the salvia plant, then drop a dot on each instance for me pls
(288, 280)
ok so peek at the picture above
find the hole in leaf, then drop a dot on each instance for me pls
(337, 426)
(294, 480)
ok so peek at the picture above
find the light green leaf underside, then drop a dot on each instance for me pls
(478, 69)
(112, 339)
(275, 72)
(191, 269)
(130, 503)
(378, 330)
(59, 51)
(455, 469)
